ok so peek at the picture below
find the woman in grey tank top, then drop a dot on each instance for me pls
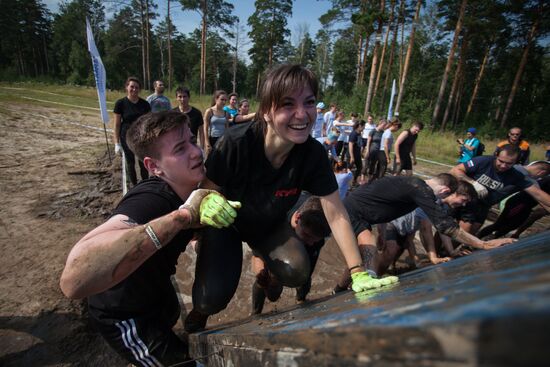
(216, 120)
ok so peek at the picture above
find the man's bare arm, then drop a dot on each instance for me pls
(540, 196)
(109, 253)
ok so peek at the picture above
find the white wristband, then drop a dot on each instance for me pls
(153, 237)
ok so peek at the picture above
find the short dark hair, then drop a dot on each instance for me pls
(144, 133)
(396, 123)
(446, 179)
(356, 124)
(419, 124)
(132, 79)
(233, 94)
(511, 150)
(313, 218)
(183, 90)
(354, 114)
(466, 189)
(544, 165)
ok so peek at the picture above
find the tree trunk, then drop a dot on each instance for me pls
(374, 64)
(386, 37)
(46, 53)
(364, 61)
(456, 113)
(407, 58)
(202, 87)
(148, 84)
(359, 52)
(169, 47)
(142, 41)
(235, 59)
(390, 61)
(454, 87)
(478, 81)
(161, 51)
(402, 44)
(450, 59)
(519, 72)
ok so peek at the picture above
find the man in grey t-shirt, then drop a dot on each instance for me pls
(158, 101)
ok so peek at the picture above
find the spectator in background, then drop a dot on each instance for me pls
(405, 146)
(386, 145)
(468, 148)
(515, 138)
(232, 108)
(329, 119)
(195, 116)
(158, 101)
(329, 143)
(126, 111)
(244, 114)
(548, 152)
(317, 130)
(345, 128)
(355, 147)
(343, 177)
(216, 120)
(369, 126)
(375, 157)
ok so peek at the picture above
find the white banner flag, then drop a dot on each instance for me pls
(393, 93)
(99, 73)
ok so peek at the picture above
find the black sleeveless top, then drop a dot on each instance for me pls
(406, 146)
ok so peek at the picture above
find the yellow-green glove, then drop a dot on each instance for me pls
(217, 211)
(361, 281)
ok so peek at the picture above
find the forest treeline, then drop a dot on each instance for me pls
(456, 63)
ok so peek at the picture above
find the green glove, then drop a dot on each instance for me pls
(217, 211)
(209, 207)
(361, 281)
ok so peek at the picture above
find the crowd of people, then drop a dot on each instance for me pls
(282, 180)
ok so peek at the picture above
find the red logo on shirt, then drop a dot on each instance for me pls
(283, 193)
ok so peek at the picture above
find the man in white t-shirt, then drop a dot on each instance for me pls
(329, 119)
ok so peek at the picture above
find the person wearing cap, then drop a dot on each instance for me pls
(317, 130)
(329, 143)
(468, 148)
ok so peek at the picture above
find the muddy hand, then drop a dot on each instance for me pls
(361, 281)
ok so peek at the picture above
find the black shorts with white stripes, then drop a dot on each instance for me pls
(146, 342)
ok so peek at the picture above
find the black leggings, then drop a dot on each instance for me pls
(358, 164)
(219, 264)
(131, 159)
(377, 164)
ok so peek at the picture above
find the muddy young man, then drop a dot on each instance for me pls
(494, 178)
(124, 266)
(308, 223)
(391, 197)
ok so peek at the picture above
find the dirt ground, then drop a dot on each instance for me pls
(57, 184)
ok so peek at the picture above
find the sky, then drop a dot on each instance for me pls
(304, 13)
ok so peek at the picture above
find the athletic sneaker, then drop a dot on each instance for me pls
(195, 321)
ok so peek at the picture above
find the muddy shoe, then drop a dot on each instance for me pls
(258, 298)
(273, 290)
(195, 321)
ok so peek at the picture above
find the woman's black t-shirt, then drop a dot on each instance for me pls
(239, 166)
(129, 112)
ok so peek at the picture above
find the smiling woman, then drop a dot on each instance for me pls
(266, 164)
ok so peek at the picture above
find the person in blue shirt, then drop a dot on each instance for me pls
(468, 148)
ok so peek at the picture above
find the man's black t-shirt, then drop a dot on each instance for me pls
(389, 198)
(148, 290)
(376, 140)
(357, 141)
(499, 184)
(195, 119)
(239, 166)
(405, 148)
(129, 112)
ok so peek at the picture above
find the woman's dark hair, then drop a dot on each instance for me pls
(216, 94)
(278, 83)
